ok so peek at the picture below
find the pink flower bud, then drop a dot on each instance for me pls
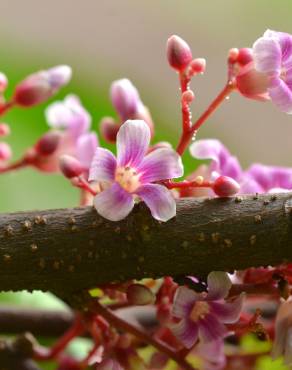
(48, 143)
(225, 186)
(125, 98)
(5, 152)
(70, 166)
(3, 82)
(138, 294)
(40, 86)
(179, 54)
(109, 129)
(198, 65)
(188, 96)
(233, 55)
(252, 84)
(4, 129)
(244, 56)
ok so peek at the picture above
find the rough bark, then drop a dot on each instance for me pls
(66, 250)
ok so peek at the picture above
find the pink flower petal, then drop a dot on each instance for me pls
(103, 166)
(222, 161)
(85, 148)
(267, 55)
(219, 285)
(211, 329)
(133, 141)
(281, 95)
(184, 299)
(160, 201)
(114, 203)
(186, 331)
(161, 164)
(228, 312)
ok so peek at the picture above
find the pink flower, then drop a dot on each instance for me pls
(203, 315)
(211, 354)
(109, 364)
(283, 333)
(258, 178)
(71, 118)
(133, 173)
(272, 55)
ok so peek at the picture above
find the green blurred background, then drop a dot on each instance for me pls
(104, 40)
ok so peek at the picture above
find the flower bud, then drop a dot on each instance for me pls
(252, 84)
(179, 54)
(4, 129)
(225, 186)
(5, 152)
(3, 82)
(40, 86)
(125, 98)
(233, 55)
(48, 143)
(70, 166)
(198, 65)
(138, 294)
(244, 56)
(188, 96)
(109, 129)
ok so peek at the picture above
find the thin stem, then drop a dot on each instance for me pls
(127, 327)
(186, 116)
(14, 166)
(5, 107)
(83, 184)
(187, 135)
(187, 184)
(44, 354)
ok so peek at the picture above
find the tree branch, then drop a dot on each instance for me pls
(67, 250)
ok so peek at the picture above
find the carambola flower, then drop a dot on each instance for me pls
(203, 315)
(134, 173)
(272, 55)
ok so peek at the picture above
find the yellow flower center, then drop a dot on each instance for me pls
(283, 73)
(128, 178)
(199, 311)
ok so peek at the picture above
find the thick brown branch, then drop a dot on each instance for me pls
(70, 249)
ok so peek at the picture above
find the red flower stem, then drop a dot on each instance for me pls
(128, 328)
(83, 184)
(186, 116)
(188, 184)
(5, 107)
(187, 135)
(85, 363)
(14, 166)
(44, 354)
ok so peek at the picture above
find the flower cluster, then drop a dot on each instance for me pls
(188, 319)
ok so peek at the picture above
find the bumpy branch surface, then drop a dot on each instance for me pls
(66, 250)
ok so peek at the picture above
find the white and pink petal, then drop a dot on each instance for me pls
(186, 331)
(133, 140)
(114, 203)
(267, 55)
(219, 285)
(160, 164)
(281, 95)
(159, 200)
(184, 300)
(228, 312)
(103, 166)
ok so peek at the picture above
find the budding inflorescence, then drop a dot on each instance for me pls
(191, 314)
